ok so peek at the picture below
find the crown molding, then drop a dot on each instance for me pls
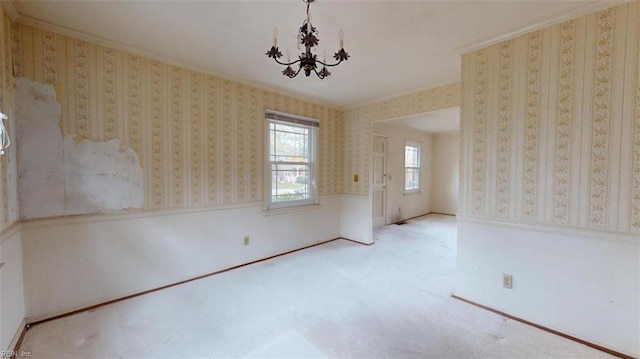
(432, 86)
(9, 232)
(566, 16)
(392, 122)
(64, 31)
(402, 126)
(10, 8)
(447, 133)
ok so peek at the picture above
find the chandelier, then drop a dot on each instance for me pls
(307, 60)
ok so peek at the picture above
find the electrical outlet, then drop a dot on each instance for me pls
(246, 240)
(507, 281)
(355, 178)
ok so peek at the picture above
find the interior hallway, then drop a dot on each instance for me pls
(340, 299)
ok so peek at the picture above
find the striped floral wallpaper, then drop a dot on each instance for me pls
(8, 168)
(199, 138)
(358, 128)
(551, 125)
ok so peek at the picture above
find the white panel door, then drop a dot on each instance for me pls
(379, 187)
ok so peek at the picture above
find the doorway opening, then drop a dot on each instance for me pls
(415, 166)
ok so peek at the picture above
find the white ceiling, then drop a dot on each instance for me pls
(441, 121)
(395, 46)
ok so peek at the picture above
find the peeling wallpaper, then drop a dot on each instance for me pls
(551, 125)
(8, 163)
(199, 138)
(57, 175)
(358, 127)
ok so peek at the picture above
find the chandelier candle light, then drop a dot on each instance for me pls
(308, 61)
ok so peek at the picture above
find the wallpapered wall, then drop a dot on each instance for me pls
(359, 133)
(551, 125)
(8, 168)
(199, 138)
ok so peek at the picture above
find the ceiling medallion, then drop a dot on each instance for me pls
(307, 61)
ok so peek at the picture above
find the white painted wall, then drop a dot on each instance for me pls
(579, 282)
(445, 174)
(71, 263)
(12, 310)
(400, 205)
(356, 218)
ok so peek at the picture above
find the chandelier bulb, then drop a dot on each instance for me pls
(308, 18)
(341, 39)
(275, 37)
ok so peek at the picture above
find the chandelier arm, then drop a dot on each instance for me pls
(317, 74)
(297, 72)
(329, 65)
(287, 64)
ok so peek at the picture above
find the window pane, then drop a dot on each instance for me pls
(290, 182)
(290, 156)
(288, 143)
(411, 156)
(411, 179)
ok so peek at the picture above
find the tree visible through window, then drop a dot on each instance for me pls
(291, 160)
(411, 166)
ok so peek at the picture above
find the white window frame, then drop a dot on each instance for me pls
(290, 120)
(418, 145)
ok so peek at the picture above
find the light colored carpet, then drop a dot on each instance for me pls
(340, 299)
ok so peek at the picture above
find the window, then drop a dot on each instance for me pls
(291, 163)
(411, 166)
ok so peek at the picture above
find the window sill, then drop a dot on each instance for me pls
(290, 209)
(412, 192)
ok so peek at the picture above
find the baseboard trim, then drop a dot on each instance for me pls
(552, 331)
(414, 217)
(410, 218)
(443, 214)
(29, 325)
(17, 339)
(358, 242)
